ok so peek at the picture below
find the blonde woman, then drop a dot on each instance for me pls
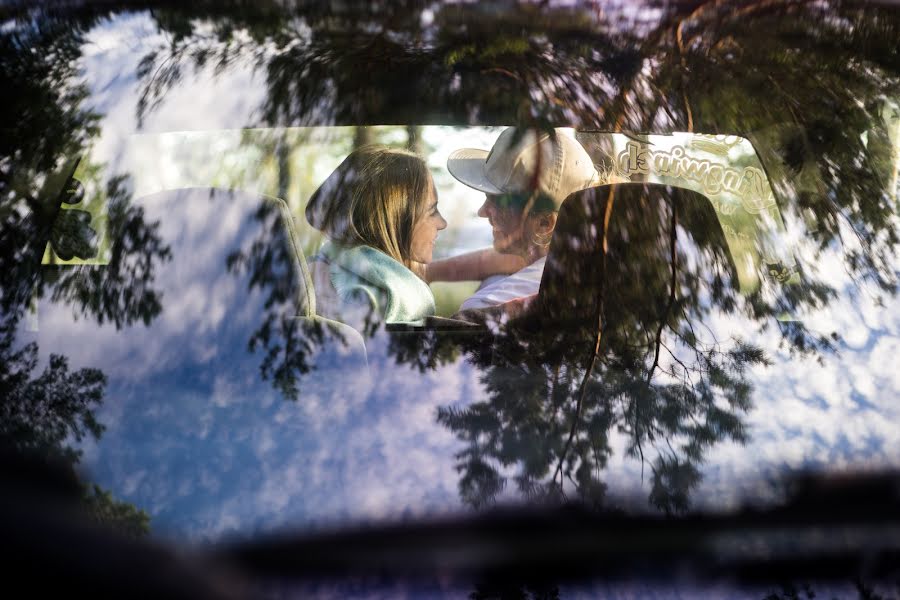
(379, 212)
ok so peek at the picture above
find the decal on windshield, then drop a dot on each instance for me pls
(748, 184)
(726, 171)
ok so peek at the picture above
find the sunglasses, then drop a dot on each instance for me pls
(518, 201)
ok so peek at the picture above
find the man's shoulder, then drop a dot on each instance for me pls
(529, 276)
(522, 283)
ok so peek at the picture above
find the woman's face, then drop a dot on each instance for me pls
(426, 229)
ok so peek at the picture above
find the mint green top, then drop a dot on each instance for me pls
(393, 290)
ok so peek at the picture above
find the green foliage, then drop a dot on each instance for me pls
(49, 408)
(449, 296)
(44, 413)
(72, 235)
(494, 50)
(124, 517)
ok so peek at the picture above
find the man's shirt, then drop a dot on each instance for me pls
(499, 289)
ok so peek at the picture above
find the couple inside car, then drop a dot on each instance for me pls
(379, 211)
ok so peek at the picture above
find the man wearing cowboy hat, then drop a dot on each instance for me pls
(525, 177)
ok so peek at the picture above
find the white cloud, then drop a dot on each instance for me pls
(132, 482)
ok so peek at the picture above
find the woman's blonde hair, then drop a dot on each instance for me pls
(373, 198)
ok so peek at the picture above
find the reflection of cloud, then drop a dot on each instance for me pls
(840, 415)
(199, 440)
(224, 100)
(214, 449)
(133, 481)
(191, 317)
(228, 456)
(224, 393)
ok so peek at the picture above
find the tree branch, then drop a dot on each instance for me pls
(673, 257)
(599, 336)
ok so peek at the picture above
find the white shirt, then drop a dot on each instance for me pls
(498, 289)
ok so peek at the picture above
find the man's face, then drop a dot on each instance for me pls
(506, 223)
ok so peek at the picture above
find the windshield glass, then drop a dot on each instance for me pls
(707, 310)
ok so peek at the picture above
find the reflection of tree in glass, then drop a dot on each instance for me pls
(39, 61)
(655, 270)
(735, 68)
(121, 291)
(46, 413)
(805, 591)
(806, 88)
(43, 413)
(820, 135)
(426, 352)
(41, 58)
(654, 380)
(270, 269)
(248, 36)
(289, 343)
(732, 68)
(331, 65)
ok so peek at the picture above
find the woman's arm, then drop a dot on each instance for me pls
(472, 266)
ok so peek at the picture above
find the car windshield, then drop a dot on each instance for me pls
(706, 313)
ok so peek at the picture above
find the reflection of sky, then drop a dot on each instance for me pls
(206, 103)
(111, 56)
(195, 437)
(208, 449)
(836, 413)
(199, 440)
